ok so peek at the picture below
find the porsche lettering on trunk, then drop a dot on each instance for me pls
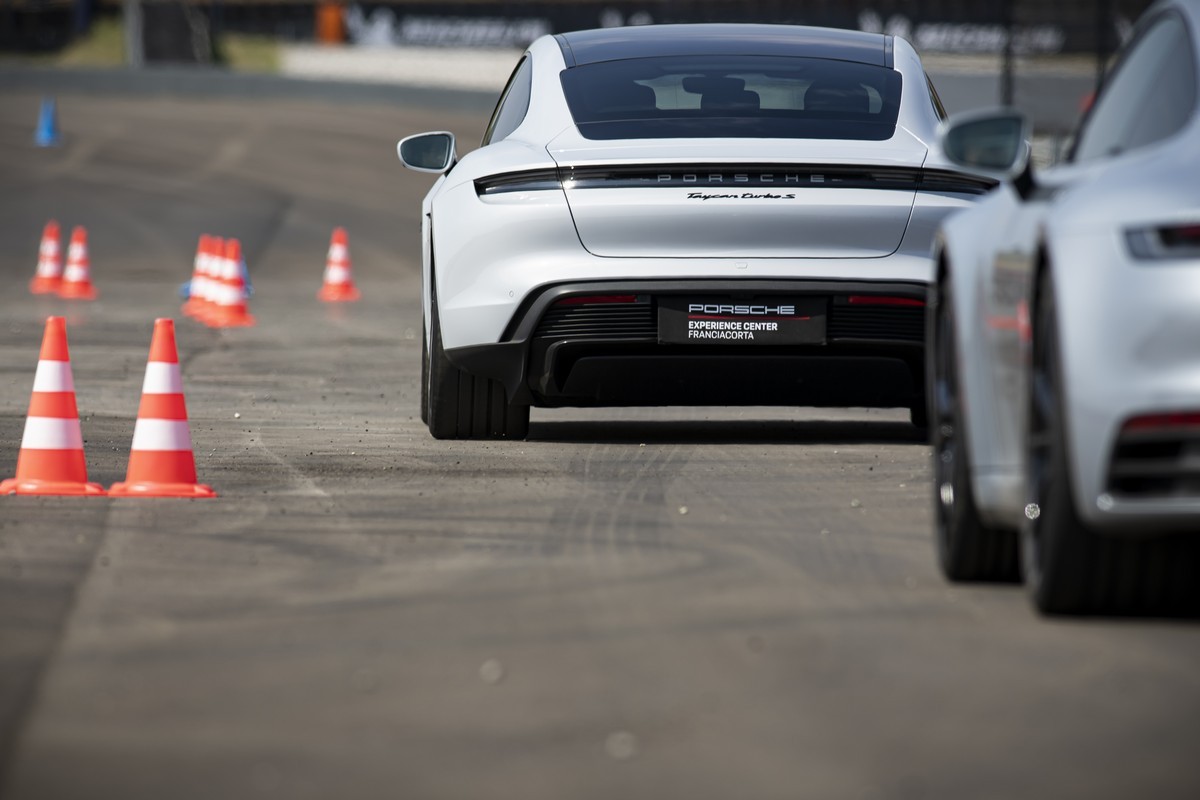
(826, 208)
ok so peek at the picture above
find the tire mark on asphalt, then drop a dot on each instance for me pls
(29, 699)
(305, 486)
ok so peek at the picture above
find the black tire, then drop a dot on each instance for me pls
(424, 374)
(1070, 569)
(967, 549)
(464, 406)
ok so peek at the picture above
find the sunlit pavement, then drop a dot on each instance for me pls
(700, 603)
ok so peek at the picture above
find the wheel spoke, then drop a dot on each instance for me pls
(945, 394)
(1043, 408)
(1040, 442)
(1042, 432)
(945, 403)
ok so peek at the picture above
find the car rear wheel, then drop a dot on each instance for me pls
(968, 550)
(465, 406)
(1070, 569)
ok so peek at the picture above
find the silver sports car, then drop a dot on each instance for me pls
(692, 214)
(1065, 345)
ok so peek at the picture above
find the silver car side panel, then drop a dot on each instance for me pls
(964, 243)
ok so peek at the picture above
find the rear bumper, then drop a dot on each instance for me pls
(871, 357)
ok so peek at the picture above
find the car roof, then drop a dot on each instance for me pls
(647, 41)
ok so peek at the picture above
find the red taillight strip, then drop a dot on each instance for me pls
(1165, 243)
(1151, 422)
(527, 181)
(880, 300)
(580, 300)
(1180, 236)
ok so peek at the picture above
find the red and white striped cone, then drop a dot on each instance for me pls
(206, 296)
(51, 460)
(77, 278)
(199, 277)
(161, 461)
(48, 277)
(338, 284)
(230, 309)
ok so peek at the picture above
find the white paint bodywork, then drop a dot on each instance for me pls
(488, 253)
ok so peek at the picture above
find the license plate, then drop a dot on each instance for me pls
(709, 320)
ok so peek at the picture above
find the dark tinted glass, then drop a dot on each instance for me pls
(514, 103)
(997, 143)
(1150, 96)
(737, 96)
(1172, 102)
(431, 151)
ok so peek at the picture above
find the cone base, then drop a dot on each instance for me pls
(156, 489)
(202, 314)
(61, 488)
(339, 293)
(72, 291)
(227, 320)
(45, 285)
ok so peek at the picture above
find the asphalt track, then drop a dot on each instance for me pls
(692, 603)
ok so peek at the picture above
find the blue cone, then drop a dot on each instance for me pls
(47, 126)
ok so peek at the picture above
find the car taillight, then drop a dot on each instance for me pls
(1165, 241)
(533, 180)
(883, 300)
(591, 299)
(1180, 237)
(1150, 423)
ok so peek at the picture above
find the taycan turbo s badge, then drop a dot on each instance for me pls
(742, 196)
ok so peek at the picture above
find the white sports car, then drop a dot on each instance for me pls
(683, 215)
(1065, 346)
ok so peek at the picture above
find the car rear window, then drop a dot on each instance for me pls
(733, 96)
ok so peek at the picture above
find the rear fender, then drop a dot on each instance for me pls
(997, 490)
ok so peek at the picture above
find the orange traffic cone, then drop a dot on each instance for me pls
(51, 459)
(199, 277)
(338, 284)
(206, 295)
(48, 277)
(230, 310)
(77, 279)
(161, 462)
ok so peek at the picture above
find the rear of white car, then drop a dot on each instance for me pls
(695, 215)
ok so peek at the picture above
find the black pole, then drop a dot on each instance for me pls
(1102, 20)
(1006, 71)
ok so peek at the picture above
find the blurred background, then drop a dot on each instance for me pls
(1044, 57)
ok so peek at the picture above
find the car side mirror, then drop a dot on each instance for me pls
(428, 152)
(993, 142)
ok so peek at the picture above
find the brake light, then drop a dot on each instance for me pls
(527, 181)
(882, 300)
(1183, 236)
(1157, 422)
(1165, 242)
(580, 300)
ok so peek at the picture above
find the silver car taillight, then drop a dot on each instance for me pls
(528, 181)
(1162, 242)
